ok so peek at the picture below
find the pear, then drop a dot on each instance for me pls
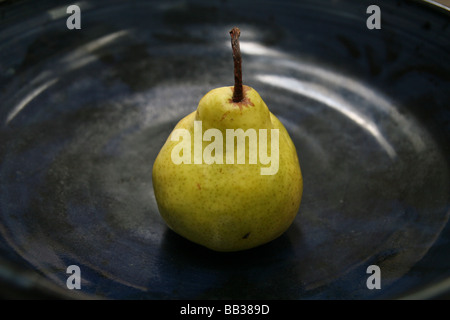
(223, 191)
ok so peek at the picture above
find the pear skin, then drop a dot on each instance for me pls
(229, 207)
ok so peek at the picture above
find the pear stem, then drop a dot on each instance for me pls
(238, 94)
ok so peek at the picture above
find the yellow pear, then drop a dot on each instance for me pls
(228, 176)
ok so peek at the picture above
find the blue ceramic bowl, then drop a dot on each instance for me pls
(84, 112)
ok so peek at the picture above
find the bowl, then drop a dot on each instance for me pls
(85, 109)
